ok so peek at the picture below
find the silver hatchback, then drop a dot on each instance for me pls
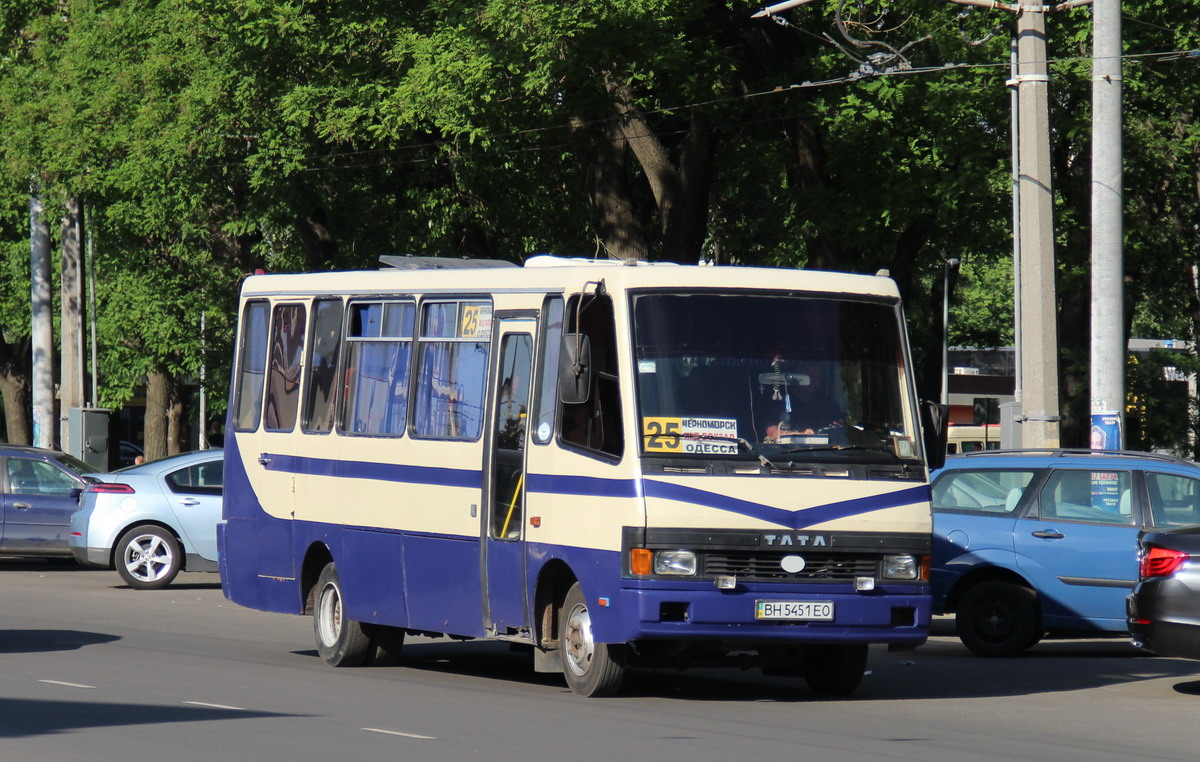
(153, 520)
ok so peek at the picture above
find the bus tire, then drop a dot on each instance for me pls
(592, 669)
(341, 642)
(148, 557)
(998, 619)
(835, 669)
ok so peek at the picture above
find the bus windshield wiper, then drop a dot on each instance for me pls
(763, 459)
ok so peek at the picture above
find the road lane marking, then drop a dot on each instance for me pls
(398, 733)
(216, 706)
(68, 685)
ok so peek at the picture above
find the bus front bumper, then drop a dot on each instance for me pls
(893, 615)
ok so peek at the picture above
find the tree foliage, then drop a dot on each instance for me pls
(211, 138)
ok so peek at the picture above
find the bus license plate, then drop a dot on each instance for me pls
(800, 611)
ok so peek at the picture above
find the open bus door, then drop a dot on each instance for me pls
(506, 607)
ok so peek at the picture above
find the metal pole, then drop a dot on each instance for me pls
(43, 321)
(948, 265)
(94, 397)
(1039, 320)
(1108, 344)
(203, 444)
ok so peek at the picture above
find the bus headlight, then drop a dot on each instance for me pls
(676, 563)
(899, 567)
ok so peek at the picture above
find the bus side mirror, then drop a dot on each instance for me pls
(934, 432)
(575, 369)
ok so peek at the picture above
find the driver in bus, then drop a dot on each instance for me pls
(807, 407)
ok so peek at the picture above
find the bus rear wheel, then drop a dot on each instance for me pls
(341, 642)
(592, 669)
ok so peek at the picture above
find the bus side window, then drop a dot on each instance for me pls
(452, 369)
(283, 381)
(547, 392)
(252, 365)
(595, 424)
(325, 345)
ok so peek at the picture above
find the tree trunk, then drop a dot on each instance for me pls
(681, 193)
(71, 364)
(319, 243)
(823, 249)
(158, 398)
(175, 444)
(618, 230)
(15, 389)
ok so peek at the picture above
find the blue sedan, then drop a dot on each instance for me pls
(153, 520)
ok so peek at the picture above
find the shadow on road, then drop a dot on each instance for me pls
(943, 669)
(39, 641)
(56, 564)
(176, 586)
(20, 718)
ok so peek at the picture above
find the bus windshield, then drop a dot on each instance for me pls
(775, 376)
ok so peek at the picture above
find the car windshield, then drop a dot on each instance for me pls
(75, 464)
(751, 375)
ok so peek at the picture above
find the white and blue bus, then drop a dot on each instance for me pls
(619, 465)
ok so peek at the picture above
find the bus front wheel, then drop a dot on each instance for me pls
(592, 669)
(341, 642)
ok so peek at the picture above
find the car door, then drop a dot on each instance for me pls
(974, 515)
(38, 503)
(1078, 546)
(194, 494)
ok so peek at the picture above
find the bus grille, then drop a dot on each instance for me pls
(752, 565)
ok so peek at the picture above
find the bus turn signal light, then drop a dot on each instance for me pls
(640, 560)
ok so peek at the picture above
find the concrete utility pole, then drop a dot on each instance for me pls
(1108, 305)
(70, 378)
(43, 322)
(1039, 311)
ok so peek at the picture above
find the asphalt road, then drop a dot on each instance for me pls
(93, 670)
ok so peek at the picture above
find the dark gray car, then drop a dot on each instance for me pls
(1164, 608)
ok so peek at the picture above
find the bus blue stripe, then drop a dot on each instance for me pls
(560, 484)
(387, 472)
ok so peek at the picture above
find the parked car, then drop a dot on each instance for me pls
(1164, 608)
(128, 453)
(1031, 542)
(40, 492)
(153, 520)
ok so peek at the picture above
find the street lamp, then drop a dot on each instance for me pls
(950, 264)
(771, 10)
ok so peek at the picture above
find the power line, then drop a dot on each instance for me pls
(855, 77)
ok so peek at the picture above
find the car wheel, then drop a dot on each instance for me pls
(148, 557)
(998, 619)
(341, 642)
(834, 670)
(591, 668)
